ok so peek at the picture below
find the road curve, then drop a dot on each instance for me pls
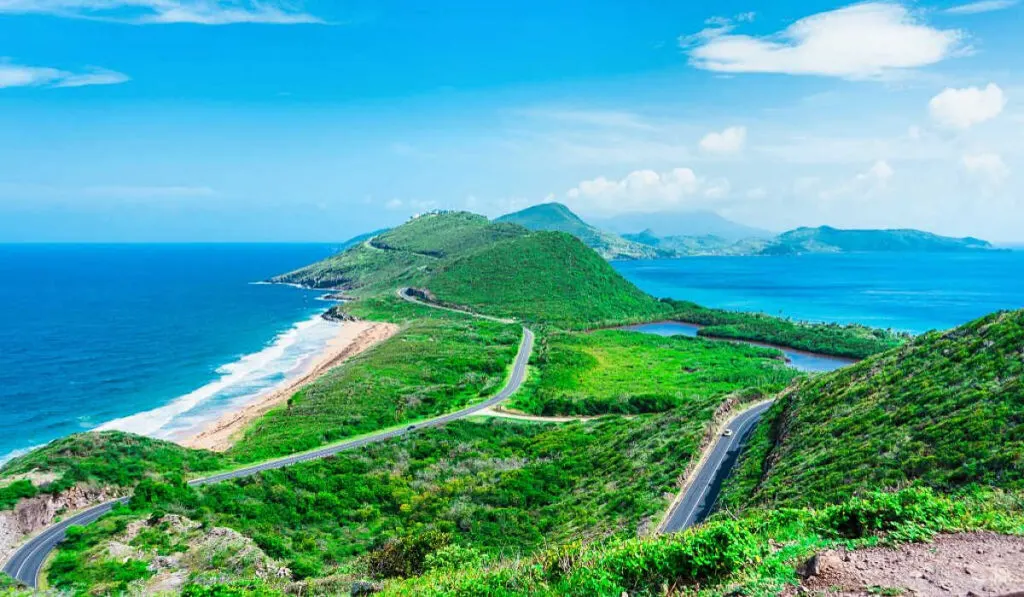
(26, 564)
(702, 493)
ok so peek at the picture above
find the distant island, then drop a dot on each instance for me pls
(660, 235)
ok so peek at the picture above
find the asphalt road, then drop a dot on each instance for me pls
(26, 564)
(703, 492)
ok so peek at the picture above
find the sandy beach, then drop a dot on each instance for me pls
(353, 338)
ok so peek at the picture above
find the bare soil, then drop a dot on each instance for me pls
(963, 564)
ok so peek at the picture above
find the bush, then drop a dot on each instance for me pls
(405, 556)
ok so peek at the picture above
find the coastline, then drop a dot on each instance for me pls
(352, 338)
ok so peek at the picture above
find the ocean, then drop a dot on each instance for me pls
(158, 339)
(154, 339)
(913, 292)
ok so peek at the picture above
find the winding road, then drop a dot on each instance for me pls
(701, 493)
(695, 503)
(26, 564)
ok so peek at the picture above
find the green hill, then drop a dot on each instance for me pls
(943, 411)
(548, 277)
(709, 244)
(826, 239)
(402, 255)
(555, 217)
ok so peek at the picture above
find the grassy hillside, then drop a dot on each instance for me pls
(753, 554)
(361, 267)
(445, 234)
(942, 411)
(480, 488)
(832, 240)
(555, 217)
(109, 458)
(699, 245)
(629, 372)
(853, 341)
(404, 255)
(548, 277)
(431, 367)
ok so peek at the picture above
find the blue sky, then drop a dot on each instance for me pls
(212, 120)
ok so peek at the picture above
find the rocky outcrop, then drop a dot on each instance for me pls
(33, 514)
(335, 314)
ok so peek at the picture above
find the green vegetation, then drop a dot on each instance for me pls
(125, 554)
(685, 246)
(853, 341)
(402, 256)
(628, 372)
(472, 490)
(431, 367)
(445, 234)
(726, 555)
(826, 239)
(942, 411)
(555, 217)
(109, 458)
(361, 267)
(548, 277)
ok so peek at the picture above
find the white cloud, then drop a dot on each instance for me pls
(988, 168)
(972, 8)
(201, 12)
(863, 41)
(94, 77)
(648, 191)
(874, 179)
(412, 205)
(879, 174)
(729, 141)
(963, 108)
(718, 189)
(757, 193)
(14, 75)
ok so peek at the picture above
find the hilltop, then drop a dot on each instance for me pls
(682, 224)
(826, 239)
(941, 411)
(403, 255)
(555, 217)
(548, 277)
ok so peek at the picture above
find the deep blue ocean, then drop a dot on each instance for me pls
(913, 292)
(90, 334)
(159, 339)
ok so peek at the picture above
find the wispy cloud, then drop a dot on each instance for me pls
(16, 75)
(872, 40)
(100, 76)
(973, 8)
(143, 12)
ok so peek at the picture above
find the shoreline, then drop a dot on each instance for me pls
(353, 338)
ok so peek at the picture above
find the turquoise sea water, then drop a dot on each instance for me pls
(159, 339)
(914, 292)
(167, 335)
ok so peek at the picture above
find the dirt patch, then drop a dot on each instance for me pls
(964, 564)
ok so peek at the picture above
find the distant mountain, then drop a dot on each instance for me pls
(555, 217)
(826, 239)
(686, 246)
(694, 223)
